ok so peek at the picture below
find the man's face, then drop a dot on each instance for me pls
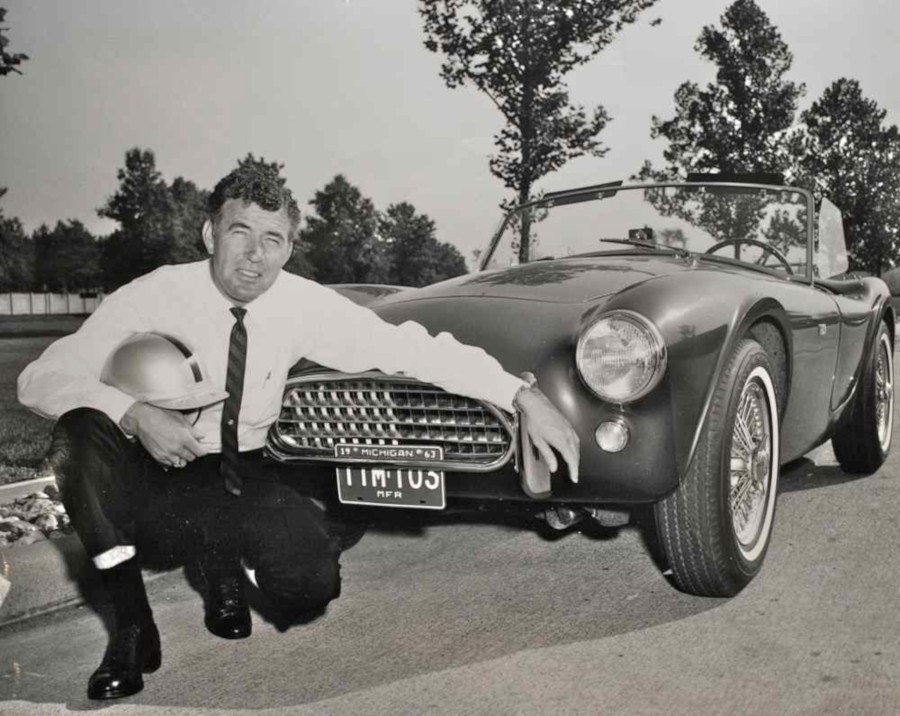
(249, 246)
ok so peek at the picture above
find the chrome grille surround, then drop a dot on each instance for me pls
(322, 410)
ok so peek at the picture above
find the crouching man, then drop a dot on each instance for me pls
(141, 470)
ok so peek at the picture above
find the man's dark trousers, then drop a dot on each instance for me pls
(116, 494)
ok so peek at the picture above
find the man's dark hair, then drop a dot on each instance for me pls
(257, 182)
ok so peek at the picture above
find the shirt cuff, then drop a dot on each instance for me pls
(505, 389)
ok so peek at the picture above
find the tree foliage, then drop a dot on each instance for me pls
(158, 224)
(189, 213)
(16, 256)
(261, 161)
(342, 241)
(742, 121)
(349, 241)
(9, 61)
(415, 256)
(346, 241)
(66, 258)
(849, 154)
(518, 52)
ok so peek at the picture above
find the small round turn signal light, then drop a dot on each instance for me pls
(612, 435)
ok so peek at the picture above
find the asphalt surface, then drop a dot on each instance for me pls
(492, 618)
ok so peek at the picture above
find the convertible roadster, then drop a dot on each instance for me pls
(698, 335)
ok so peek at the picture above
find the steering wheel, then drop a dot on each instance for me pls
(753, 242)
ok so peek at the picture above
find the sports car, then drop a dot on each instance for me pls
(698, 335)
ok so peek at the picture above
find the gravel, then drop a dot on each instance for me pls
(36, 517)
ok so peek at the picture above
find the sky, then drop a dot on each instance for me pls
(346, 86)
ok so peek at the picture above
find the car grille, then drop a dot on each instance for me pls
(320, 412)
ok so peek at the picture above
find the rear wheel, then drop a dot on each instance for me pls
(864, 441)
(716, 526)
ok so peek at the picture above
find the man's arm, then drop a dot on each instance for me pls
(354, 339)
(67, 374)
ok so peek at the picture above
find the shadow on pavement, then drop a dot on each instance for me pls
(805, 474)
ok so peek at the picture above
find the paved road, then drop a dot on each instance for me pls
(489, 618)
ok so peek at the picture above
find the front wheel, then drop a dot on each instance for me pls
(863, 443)
(716, 526)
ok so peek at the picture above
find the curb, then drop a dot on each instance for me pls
(39, 575)
(15, 490)
(52, 575)
(42, 578)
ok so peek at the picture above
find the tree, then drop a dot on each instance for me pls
(158, 224)
(849, 154)
(16, 256)
(66, 258)
(189, 206)
(275, 166)
(415, 256)
(518, 52)
(342, 243)
(142, 207)
(9, 62)
(742, 121)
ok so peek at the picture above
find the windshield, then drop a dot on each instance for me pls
(763, 226)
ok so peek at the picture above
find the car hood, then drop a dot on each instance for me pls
(575, 280)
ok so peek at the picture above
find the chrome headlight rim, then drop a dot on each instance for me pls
(644, 323)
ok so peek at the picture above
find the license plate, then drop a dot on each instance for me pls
(381, 485)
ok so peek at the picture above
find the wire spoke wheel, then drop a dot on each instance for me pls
(884, 392)
(751, 463)
(716, 526)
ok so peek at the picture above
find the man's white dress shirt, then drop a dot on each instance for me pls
(296, 318)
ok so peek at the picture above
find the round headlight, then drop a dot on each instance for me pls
(621, 357)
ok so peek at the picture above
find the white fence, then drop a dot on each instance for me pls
(47, 304)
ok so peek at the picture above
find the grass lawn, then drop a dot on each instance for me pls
(24, 436)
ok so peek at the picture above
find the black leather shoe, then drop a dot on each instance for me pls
(132, 650)
(227, 613)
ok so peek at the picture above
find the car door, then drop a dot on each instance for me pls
(831, 263)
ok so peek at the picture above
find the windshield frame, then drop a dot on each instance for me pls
(595, 193)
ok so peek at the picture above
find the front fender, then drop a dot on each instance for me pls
(700, 334)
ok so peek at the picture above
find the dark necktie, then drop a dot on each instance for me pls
(234, 385)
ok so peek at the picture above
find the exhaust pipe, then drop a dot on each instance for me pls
(560, 517)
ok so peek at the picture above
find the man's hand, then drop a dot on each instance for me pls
(549, 429)
(165, 434)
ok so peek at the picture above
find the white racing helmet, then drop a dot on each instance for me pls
(159, 369)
